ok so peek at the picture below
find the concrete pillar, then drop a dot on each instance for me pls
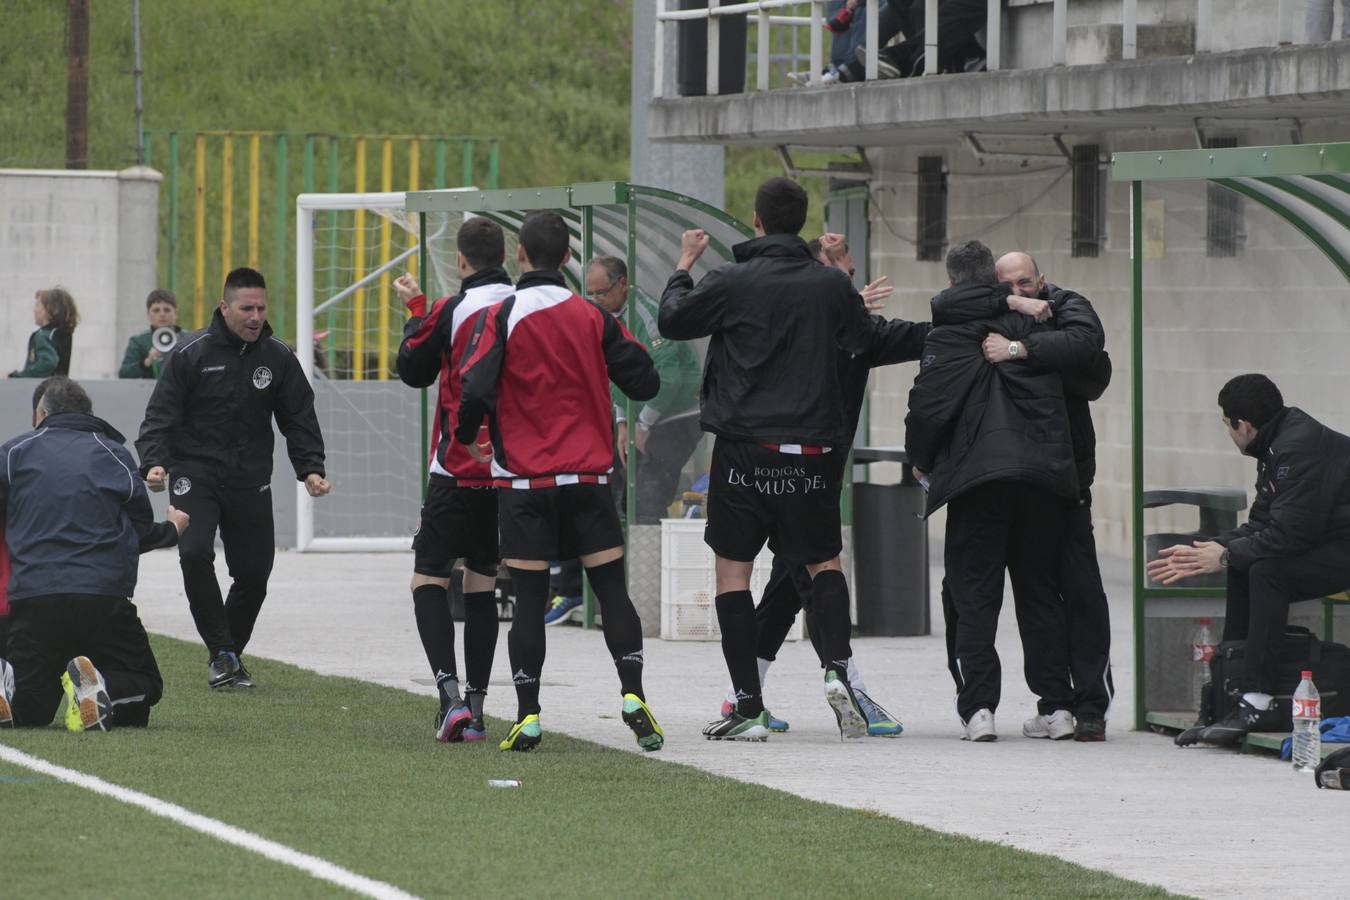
(137, 250)
(693, 169)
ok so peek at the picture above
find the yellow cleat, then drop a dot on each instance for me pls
(88, 705)
(525, 735)
(638, 716)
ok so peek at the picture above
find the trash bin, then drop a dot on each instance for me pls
(692, 55)
(890, 551)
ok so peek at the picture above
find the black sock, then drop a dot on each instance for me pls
(830, 601)
(525, 640)
(480, 643)
(623, 628)
(431, 605)
(736, 618)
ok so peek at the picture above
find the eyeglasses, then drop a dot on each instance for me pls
(601, 292)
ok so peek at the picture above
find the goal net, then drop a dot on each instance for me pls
(349, 322)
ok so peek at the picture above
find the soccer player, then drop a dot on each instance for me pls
(459, 514)
(540, 363)
(207, 434)
(771, 395)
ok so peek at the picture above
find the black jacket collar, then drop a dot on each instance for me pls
(541, 277)
(1265, 436)
(782, 245)
(492, 275)
(221, 332)
(74, 421)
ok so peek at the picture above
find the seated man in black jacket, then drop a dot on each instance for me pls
(994, 443)
(77, 517)
(1295, 544)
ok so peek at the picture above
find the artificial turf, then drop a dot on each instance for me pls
(348, 771)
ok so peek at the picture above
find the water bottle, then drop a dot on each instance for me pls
(1202, 651)
(1307, 725)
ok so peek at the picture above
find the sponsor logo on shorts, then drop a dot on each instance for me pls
(777, 481)
(262, 377)
(181, 486)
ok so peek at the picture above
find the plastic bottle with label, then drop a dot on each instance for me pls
(1307, 725)
(1202, 651)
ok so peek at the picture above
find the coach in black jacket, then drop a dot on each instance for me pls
(994, 443)
(207, 434)
(1295, 544)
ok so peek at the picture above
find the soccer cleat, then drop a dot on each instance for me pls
(737, 727)
(452, 720)
(525, 735)
(879, 722)
(475, 730)
(222, 669)
(852, 721)
(561, 610)
(1243, 719)
(885, 68)
(980, 727)
(6, 695)
(88, 705)
(776, 725)
(242, 678)
(638, 716)
(1058, 726)
(1089, 729)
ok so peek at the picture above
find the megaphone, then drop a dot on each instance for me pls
(164, 338)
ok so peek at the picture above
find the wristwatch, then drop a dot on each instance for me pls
(1014, 349)
(1223, 559)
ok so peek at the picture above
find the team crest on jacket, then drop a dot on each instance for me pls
(262, 377)
(182, 486)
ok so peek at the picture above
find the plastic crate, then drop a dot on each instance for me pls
(689, 585)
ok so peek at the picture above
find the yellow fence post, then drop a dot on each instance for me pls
(199, 238)
(226, 206)
(253, 202)
(386, 185)
(359, 272)
(414, 165)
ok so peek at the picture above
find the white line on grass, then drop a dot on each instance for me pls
(319, 868)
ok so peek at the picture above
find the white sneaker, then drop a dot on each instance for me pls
(1058, 726)
(6, 695)
(981, 727)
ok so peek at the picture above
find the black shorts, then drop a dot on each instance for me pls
(457, 523)
(558, 522)
(756, 494)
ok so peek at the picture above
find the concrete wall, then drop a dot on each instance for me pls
(1279, 307)
(96, 234)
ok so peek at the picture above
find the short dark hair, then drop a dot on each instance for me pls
(482, 243)
(971, 262)
(1252, 397)
(781, 204)
(614, 267)
(545, 237)
(242, 277)
(814, 246)
(160, 295)
(59, 394)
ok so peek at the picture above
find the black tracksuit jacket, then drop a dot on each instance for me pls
(778, 320)
(210, 415)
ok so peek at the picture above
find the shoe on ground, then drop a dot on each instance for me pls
(221, 671)
(525, 735)
(776, 725)
(885, 68)
(980, 727)
(879, 722)
(1240, 722)
(847, 712)
(88, 706)
(474, 731)
(1089, 729)
(637, 715)
(737, 727)
(451, 721)
(1190, 737)
(6, 695)
(560, 610)
(1058, 726)
(242, 678)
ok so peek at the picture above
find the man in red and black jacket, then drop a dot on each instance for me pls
(540, 363)
(459, 513)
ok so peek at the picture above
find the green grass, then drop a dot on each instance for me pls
(349, 772)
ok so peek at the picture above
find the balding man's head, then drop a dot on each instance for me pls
(1021, 271)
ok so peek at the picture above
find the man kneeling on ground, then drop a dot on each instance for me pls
(77, 518)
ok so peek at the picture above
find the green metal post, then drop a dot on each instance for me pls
(172, 279)
(332, 257)
(492, 167)
(424, 266)
(587, 249)
(1137, 440)
(466, 170)
(283, 202)
(440, 164)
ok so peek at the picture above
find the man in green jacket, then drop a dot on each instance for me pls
(667, 425)
(142, 360)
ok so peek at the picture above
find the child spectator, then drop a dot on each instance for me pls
(142, 359)
(49, 345)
